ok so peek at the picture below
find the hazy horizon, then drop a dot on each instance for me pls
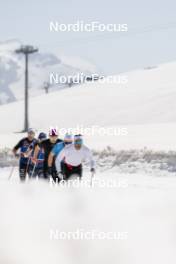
(150, 40)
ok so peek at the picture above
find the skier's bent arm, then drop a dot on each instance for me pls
(59, 158)
(50, 159)
(54, 152)
(15, 149)
(36, 152)
(89, 157)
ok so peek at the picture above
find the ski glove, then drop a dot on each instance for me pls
(92, 170)
(60, 175)
(50, 170)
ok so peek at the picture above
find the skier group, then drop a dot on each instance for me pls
(51, 157)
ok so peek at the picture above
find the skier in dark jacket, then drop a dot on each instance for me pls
(37, 165)
(47, 146)
(25, 146)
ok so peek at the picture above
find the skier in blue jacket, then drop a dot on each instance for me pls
(68, 139)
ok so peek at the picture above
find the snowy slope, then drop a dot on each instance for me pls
(144, 210)
(145, 107)
(40, 65)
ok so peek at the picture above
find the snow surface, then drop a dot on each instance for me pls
(144, 208)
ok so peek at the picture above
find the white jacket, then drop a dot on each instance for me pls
(74, 157)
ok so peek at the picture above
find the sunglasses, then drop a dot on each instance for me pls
(67, 143)
(78, 142)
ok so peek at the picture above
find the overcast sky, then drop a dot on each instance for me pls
(151, 38)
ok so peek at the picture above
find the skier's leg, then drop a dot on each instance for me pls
(55, 175)
(30, 170)
(40, 173)
(62, 167)
(22, 171)
(78, 171)
(66, 171)
(45, 172)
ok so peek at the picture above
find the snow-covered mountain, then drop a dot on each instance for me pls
(40, 64)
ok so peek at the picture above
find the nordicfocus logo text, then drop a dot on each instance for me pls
(81, 26)
(79, 78)
(81, 234)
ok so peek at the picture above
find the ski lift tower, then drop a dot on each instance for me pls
(26, 50)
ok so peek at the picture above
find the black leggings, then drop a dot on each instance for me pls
(23, 170)
(69, 170)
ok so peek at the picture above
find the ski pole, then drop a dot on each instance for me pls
(13, 168)
(92, 176)
(29, 159)
(34, 169)
(27, 166)
(35, 165)
(11, 172)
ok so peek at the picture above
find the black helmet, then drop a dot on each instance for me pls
(42, 136)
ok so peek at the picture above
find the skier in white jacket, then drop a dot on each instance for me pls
(70, 159)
